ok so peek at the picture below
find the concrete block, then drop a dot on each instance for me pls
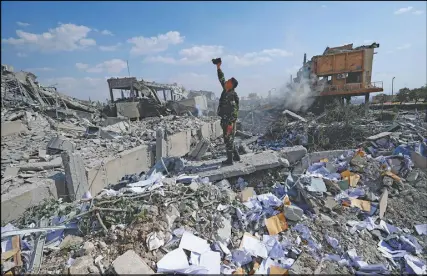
(292, 212)
(128, 109)
(75, 175)
(419, 160)
(69, 127)
(179, 143)
(11, 171)
(10, 128)
(293, 154)
(92, 132)
(131, 263)
(264, 161)
(161, 146)
(15, 202)
(41, 166)
(216, 129)
(81, 266)
(294, 116)
(113, 120)
(249, 164)
(114, 168)
(200, 149)
(204, 131)
(59, 144)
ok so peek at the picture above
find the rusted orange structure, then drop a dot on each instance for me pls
(342, 71)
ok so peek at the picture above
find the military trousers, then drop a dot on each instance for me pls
(228, 135)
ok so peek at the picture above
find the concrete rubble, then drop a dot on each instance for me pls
(151, 196)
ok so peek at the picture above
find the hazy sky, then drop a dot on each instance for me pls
(78, 45)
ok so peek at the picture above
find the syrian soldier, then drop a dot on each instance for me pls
(228, 109)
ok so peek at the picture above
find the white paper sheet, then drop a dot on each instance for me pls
(254, 246)
(212, 261)
(173, 261)
(193, 243)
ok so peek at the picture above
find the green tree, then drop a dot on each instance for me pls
(381, 98)
(422, 93)
(414, 95)
(403, 95)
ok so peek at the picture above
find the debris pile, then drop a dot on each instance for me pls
(286, 207)
(23, 88)
(341, 127)
(345, 212)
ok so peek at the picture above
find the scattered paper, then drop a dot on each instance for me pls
(253, 246)
(247, 193)
(276, 270)
(194, 258)
(154, 242)
(421, 229)
(193, 243)
(173, 261)
(212, 261)
(276, 224)
(361, 204)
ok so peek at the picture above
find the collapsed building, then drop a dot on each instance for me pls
(148, 99)
(97, 196)
(341, 72)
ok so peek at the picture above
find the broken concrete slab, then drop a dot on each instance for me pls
(81, 266)
(200, 149)
(249, 163)
(75, 175)
(69, 127)
(11, 172)
(293, 154)
(292, 212)
(294, 116)
(13, 127)
(419, 160)
(379, 136)
(15, 202)
(131, 263)
(59, 144)
(41, 166)
(383, 202)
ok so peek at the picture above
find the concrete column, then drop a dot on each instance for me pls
(75, 175)
(366, 104)
(111, 95)
(161, 145)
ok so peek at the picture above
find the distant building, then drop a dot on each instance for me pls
(208, 94)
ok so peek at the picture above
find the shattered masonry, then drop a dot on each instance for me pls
(85, 193)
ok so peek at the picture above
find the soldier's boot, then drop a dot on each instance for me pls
(229, 160)
(236, 156)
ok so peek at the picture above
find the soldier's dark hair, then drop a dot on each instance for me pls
(234, 82)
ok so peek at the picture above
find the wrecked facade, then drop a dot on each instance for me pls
(141, 99)
(342, 72)
(99, 195)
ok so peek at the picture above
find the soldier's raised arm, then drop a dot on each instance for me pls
(221, 78)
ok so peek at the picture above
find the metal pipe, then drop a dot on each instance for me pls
(392, 81)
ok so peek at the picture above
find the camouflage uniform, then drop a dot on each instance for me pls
(228, 110)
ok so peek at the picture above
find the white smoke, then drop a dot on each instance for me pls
(300, 96)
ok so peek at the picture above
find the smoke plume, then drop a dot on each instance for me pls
(299, 96)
